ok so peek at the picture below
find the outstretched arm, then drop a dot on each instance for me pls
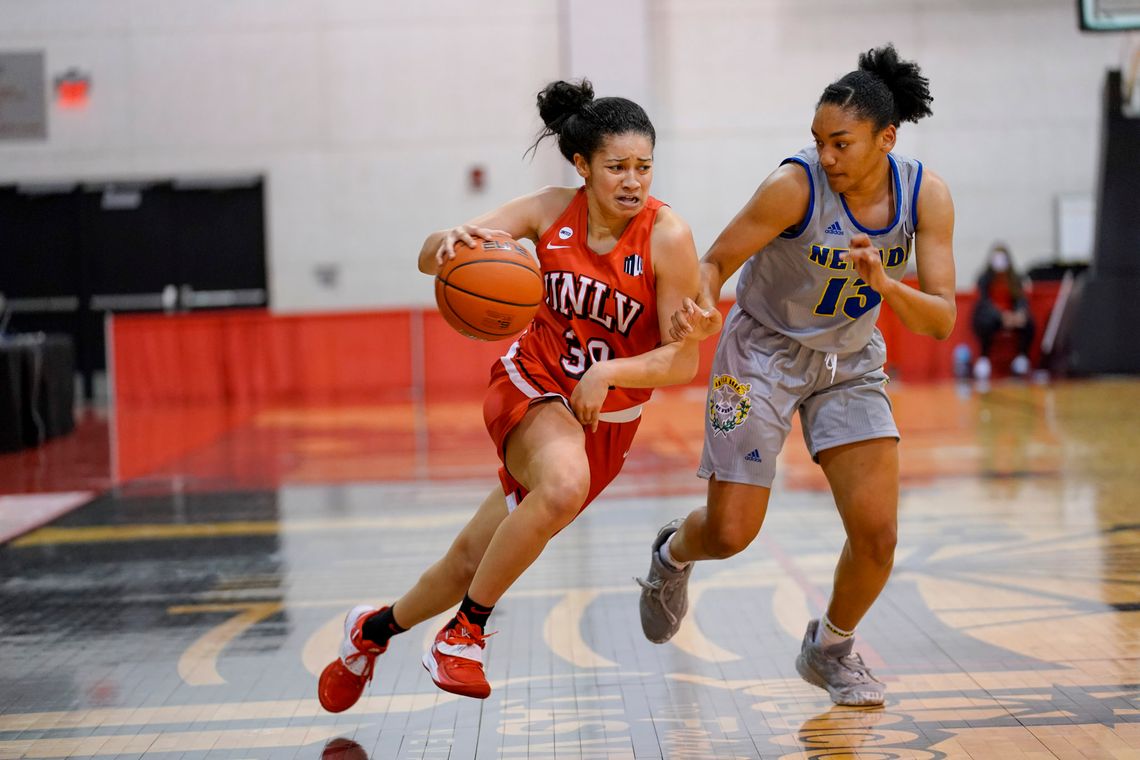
(780, 202)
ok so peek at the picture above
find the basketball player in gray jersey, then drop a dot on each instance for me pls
(823, 242)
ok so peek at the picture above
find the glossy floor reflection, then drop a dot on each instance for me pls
(185, 612)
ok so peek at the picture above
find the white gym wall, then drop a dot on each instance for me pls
(367, 116)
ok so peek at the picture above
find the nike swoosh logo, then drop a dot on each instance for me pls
(551, 247)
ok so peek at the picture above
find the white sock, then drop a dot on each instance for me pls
(828, 634)
(667, 558)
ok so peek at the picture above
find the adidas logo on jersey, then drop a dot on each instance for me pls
(834, 228)
(753, 456)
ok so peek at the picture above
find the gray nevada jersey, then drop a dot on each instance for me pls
(798, 285)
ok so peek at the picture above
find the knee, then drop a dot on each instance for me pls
(724, 540)
(562, 497)
(876, 544)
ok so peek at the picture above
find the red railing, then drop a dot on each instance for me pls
(255, 357)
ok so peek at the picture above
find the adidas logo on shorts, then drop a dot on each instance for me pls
(753, 456)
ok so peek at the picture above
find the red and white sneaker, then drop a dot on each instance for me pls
(455, 660)
(343, 680)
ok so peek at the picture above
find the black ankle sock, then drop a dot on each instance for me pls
(381, 627)
(476, 613)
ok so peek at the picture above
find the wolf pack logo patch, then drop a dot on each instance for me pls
(728, 404)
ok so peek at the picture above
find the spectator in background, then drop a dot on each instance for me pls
(1002, 305)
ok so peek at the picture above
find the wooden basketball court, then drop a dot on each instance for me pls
(184, 614)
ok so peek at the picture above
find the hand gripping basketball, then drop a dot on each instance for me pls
(490, 291)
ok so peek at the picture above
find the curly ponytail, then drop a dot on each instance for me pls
(884, 89)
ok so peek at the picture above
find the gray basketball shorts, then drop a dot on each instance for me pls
(760, 378)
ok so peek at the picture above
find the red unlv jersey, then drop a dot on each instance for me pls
(597, 307)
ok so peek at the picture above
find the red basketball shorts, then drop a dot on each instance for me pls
(511, 394)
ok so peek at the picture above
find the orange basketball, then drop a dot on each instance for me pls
(491, 291)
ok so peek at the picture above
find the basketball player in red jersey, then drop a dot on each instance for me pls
(565, 401)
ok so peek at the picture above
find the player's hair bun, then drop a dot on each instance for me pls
(909, 88)
(560, 100)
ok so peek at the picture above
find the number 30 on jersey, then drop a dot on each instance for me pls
(578, 359)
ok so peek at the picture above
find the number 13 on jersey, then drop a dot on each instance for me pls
(859, 299)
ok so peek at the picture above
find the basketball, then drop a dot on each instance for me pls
(491, 291)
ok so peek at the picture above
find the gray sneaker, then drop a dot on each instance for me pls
(839, 671)
(664, 593)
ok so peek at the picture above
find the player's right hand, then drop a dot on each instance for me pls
(466, 233)
(590, 394)
(695, 321)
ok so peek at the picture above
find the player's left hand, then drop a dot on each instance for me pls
(589, 395)
(865, 259)
(696, 321)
